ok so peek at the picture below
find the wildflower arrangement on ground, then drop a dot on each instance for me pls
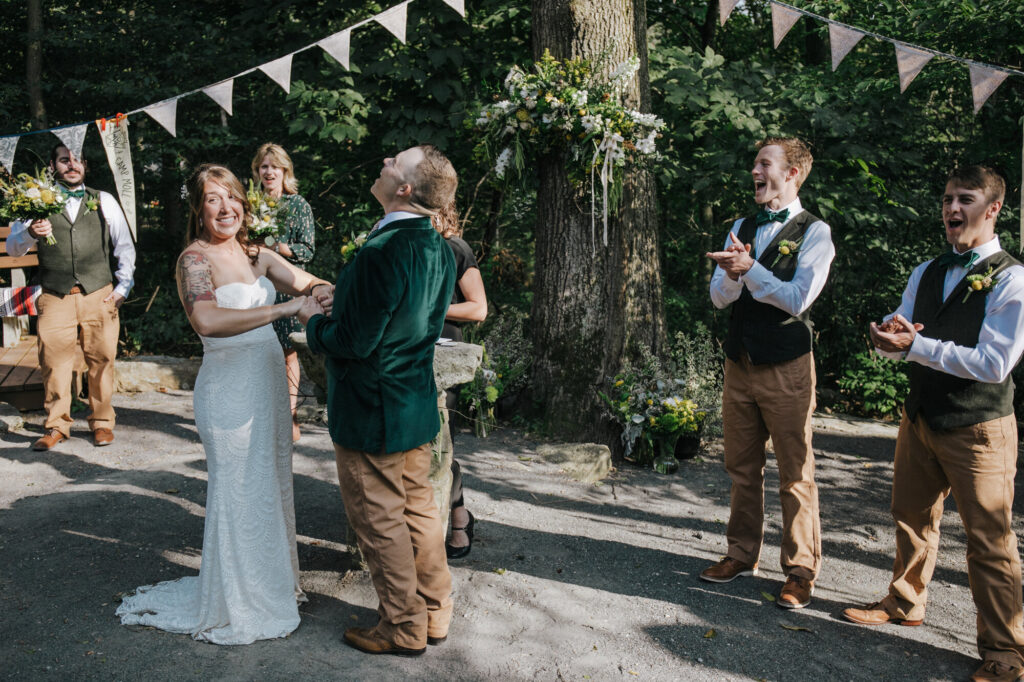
(28, 197)
(504, 371)
(653, 399)
(267, 213)
(351, 244)
(567, 105)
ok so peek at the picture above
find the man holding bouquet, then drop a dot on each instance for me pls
(80, 296)
(961, 326)
(772, 268)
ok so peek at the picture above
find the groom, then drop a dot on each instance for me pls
(389, 307)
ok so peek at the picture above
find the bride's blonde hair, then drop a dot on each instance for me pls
(211, 172)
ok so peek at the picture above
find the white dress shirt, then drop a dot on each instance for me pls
(814, 258)
(397, 215)
(1001, 339)
(21, 240)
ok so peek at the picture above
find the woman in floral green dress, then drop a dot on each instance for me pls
(272, 167)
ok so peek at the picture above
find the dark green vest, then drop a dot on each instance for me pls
(769, 334)
(947, 401)
(81, 253)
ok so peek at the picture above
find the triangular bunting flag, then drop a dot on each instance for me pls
(221, 93)
(841, 40)
(337, 46)
(280, 71)
(457, 5)
(7, 147)
(725, 8)
(165, 114)
(783, 19)
(394, 20)
(984, 82)
(909, 62)
(73, 138)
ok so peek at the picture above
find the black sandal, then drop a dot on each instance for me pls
(459, 552)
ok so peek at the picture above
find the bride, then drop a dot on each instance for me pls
(248, 583)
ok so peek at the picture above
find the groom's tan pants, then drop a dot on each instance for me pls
(390, 505)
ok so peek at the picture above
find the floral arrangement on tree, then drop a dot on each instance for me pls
(266, 215)
(653, 400)
(28, 197)
(566, 105)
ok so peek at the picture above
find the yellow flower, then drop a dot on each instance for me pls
(47, 196)
(619, 382)
(523, 115)
(650, 402)
(784, 250)
(977, 285)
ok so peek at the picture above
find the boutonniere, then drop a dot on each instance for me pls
(983, 283)
(91, 205)
(786, 248)
(351, 245)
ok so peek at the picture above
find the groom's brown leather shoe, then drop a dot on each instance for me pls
(52, 437)
(102, 436)
(370, 641)
(876, 614)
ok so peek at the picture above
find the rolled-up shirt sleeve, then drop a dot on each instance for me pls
(121, 242)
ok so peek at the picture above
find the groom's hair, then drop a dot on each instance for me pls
(796, 153)
(983, 178)
(433, 181)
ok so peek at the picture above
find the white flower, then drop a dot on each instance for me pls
(502, 162)
(482, 121)
(530, 103)
(624, 73)
(592, 122)
(512, 79)
(504, 106)
(579, 98)
(525, 125)
(509, 129)
(646, 145)
(646, 120)
(33, 193)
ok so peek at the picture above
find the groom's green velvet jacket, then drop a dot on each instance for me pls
(389, 307)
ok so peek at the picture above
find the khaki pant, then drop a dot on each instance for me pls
(64, 323)
(774, 400)
(390, 506)
(977, 464)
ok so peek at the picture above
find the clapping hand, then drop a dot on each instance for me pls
(735, 260)
(310, 307)
(895, 335)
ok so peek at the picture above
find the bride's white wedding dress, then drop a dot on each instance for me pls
(248, 582)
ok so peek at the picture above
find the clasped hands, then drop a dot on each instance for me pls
(317, 303)
(895, 335)
(735, 260)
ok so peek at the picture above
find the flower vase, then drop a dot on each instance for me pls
(688, 445)
(666, 462)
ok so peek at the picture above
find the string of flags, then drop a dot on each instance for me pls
(278, 70)
(910, 59)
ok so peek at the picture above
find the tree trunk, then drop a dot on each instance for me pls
(34, 65)
(593, 305)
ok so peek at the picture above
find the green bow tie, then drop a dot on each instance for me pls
(77, 193)
(964, 260)
(765, 216)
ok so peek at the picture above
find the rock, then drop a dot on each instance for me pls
(585, 462)
(10, 418)
(456, 363)
(151, 372)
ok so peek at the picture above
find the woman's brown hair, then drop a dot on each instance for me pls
(225, 178)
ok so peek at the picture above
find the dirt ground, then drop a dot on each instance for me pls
(566, 581)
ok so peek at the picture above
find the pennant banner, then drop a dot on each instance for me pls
(394, 20)
(221, 93)
(841, 40)
(725, 8)
(73, 138)
(114, 133)
(7, 147)
(460, 6)
(782, 20)
(984, 82)
(337, 46)
(909, 62)
(165, 113)
(280, 71)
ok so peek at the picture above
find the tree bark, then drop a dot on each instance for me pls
(34, 65)
(593, 305)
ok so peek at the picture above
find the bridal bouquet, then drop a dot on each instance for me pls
(267, 213)
(28, 197)
(567, 105)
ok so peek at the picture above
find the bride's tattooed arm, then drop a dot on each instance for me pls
(195, 283)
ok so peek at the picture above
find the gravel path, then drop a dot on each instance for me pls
(566, 581)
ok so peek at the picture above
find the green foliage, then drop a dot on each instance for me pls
(504, 371)
(873, 385)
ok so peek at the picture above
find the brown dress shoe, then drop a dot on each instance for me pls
(875, 614)
(52, 437)
(102, 436)
(796, 593)
(727, 570)
(997, 671)
(370, 641)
